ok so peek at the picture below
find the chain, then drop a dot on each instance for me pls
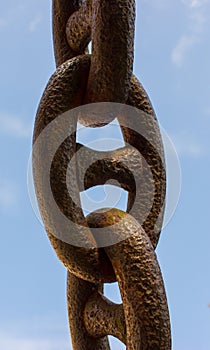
(108, 245)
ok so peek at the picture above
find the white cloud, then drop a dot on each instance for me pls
(195, 3)
(180, 51)
(14, 126)
(8, 194)
(11, 15)
(34, 24)
(10, 342)
(197, 22)
(190, 149)
(197, 13)
(187, 145)
(20, 14)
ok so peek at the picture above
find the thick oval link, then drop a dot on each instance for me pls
(78, 292)
(78, 28)
(112, 26)
(63, 92)
(140, 282)
(145, 323)
(62, 10)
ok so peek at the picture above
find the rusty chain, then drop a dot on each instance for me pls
(104, 77)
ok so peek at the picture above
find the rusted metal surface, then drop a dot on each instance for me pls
(140, 282)
(57, 98)
(109, 245)
(78, 28)
(103, 317)
(79, 291)
(111, 28)
(62, 10)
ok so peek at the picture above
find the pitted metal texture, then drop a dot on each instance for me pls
(109, 244)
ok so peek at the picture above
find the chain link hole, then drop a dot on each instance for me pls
(105, 138)
(116, 343)
(103, 196)
(90, 47)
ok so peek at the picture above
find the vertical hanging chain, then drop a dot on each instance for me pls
(108, 245)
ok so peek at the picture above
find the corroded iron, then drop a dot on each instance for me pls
(140, 282)
(110, 25)
(142, 320)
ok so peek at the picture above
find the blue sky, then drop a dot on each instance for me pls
(172, 56)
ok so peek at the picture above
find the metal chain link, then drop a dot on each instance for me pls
(104, 77)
